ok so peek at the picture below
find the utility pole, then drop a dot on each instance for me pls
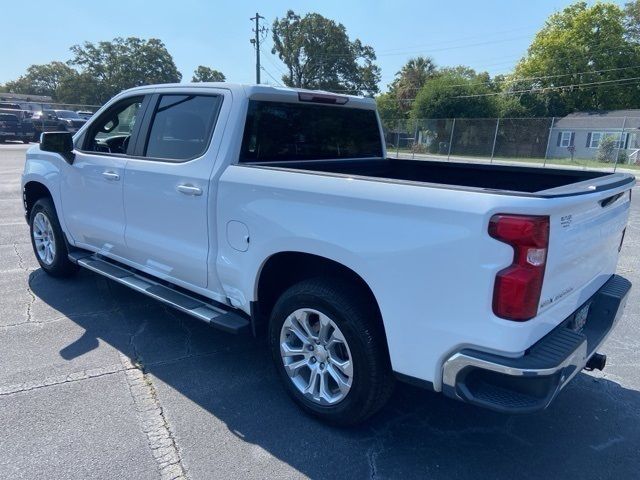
(256, 42)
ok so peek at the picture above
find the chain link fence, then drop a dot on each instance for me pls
(576, 141)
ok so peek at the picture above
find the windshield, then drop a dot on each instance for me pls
(67, 114)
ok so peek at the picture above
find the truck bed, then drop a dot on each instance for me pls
(514, 179)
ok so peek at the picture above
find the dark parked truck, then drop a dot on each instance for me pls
(276, 211)
(57, 121)
(11, 128)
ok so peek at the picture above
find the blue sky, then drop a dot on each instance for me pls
(486, 35)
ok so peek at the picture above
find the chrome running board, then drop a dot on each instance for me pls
(227, 320)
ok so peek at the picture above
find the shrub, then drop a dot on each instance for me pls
(607, 149)
(623, 157)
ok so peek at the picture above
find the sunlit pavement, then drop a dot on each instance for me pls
(100, 382)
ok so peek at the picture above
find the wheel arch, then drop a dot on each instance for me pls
(32, 191)
(283, 269)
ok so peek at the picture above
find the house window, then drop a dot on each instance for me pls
(619, 137)
(565, 139)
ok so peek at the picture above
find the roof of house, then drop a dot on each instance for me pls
(604, 120)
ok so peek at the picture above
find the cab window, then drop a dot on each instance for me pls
(182, 126)
(111, 132)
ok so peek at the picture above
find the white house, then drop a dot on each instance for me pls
(582, 132)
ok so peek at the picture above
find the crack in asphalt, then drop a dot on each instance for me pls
(32, 297)
(181, 322)
(60, 318)
(20, 259)
(154, 423)
(138, 361)
(6, 390)
(169, 361)
(422, 419)
(608, 443)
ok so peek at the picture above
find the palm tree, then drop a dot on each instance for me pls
(410, 79)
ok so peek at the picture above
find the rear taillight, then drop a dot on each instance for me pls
(517, 289)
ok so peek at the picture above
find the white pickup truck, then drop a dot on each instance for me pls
(276, 211)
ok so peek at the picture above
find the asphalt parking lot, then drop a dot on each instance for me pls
(100, 382)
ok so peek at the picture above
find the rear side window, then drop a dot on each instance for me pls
(278, 131)
(6, 117)
(182, 126)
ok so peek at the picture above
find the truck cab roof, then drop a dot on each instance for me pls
(268, 93)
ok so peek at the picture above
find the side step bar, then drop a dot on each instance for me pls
(223, 319)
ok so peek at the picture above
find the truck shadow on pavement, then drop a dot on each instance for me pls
(227, 410)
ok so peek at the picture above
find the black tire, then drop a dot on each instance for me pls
(26, 141)
(60, 266)
(2, 140)
(359, 321)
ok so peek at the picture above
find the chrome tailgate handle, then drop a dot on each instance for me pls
(189, 190)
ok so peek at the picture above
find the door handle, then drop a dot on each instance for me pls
(113, 176)
(189, 190)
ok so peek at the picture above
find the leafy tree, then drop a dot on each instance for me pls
(388, 108)
(79, 88)
(206, 74)
(319, 54)
(456, 93)
(580, 45)
(409, 80)
(41, 79)
(509, 106)
(125, 63)
(632, 20)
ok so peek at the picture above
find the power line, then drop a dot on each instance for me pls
(477, 68)
(593, 49)
(483, 36)
(272, 62)
(272, 77)
(546, 89)
(417, 52)
(542, 77)
(619, 81)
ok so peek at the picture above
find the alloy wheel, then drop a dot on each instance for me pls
(316, 356)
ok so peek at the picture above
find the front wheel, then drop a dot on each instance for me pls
(329, 348)
(47, 240)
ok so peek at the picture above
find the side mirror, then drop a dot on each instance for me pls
(58, 142)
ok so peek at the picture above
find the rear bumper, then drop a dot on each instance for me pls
(529, 383)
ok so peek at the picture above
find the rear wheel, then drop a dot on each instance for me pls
(48, 240)
(329, 348)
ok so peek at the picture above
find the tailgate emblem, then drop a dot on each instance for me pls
(565, 221)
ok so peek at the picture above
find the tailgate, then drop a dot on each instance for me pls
(584, 242)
